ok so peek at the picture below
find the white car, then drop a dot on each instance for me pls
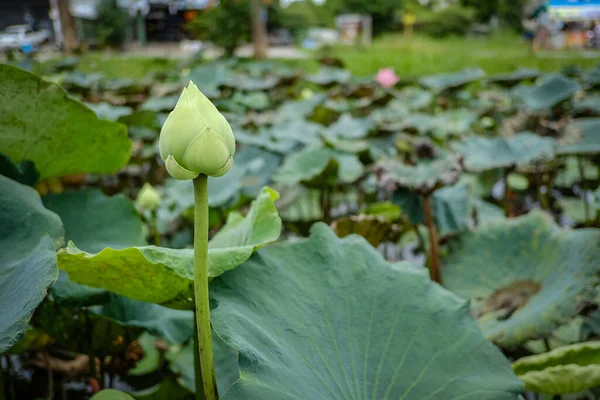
(20, 36)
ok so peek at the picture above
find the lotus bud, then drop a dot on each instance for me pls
(148, 198)
(196, 138)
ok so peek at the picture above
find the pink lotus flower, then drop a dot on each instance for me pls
(386, 77)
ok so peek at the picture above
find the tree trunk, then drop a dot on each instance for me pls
(67, 23)
(259, 30)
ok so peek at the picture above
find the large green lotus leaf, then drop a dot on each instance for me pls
(300, 130)
(24, 282)
(79, 82)
(570, 174)
(266, 140)
(452, 80)
(482, 154)
(567, 369)
(39, 122)
(169, 272)
(455, 122)
(125, 86)
(106, 110)
(415, 98)
(24, 221)
(515, 77)
(452, 208)
(328, 76)
(349, 127)
(553, 90)
(589, 144)
(588, 106)
(93, 221)
(29, 235)
(425, 177)
(209, 77)
(319, 166)
(375, 230)
(257, 101)
(524, 276)
(297, 109)
(181, 362)
(157, 104)
(177, 326)
(329, 318)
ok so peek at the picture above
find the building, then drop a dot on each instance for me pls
(156, 20)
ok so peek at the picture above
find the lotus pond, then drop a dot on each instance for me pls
(438, 239)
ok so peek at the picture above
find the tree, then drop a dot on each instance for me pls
(259, 29)
(67, 24)
(510, 12)
(383, 12)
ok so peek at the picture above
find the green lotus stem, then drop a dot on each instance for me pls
(434, 253)
(586, 206)
(203, 334)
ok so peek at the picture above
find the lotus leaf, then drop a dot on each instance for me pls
(257, 101)
(208, 78)
(106, 110)
(524, 276)
(415, 98)
(93, 221)
(567, 369)
(64, 138)
(553, 90)
(29, 235)
(454, 80)
(589, 144)
(425, 177)
(349, 127)
(589, 105)
(332, 336)
(125, 86)
(328, 76)
(319, 166)
(157, 104)
(452, 208)
(482, 154)
(515, 77)
(131, 271)
(375, 230)
(226, 364)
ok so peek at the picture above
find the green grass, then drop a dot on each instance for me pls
(421, 55)
(125, 67)
(119, 65)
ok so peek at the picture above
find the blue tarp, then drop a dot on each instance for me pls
(575, 10)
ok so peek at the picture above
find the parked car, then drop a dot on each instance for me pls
(21, 36)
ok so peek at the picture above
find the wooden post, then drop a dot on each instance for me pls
(69, 34)
(259, 30)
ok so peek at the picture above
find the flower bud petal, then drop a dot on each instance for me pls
(225, 169)
(207, 153)
(181, 127)
(211, 115)
(177, 171)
